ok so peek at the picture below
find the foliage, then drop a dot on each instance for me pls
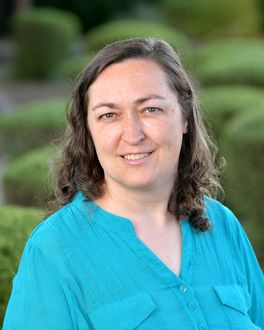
(26, 181)
(72, 66)
(112, 31)
(32, 125)
(15, 226)
(221, 103)
(96, 12)
(43, 36)
(203, 18)
(230, 62)
(244, 150)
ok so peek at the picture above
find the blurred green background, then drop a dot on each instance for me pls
(45, 43)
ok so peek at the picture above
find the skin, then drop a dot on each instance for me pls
(133, 110)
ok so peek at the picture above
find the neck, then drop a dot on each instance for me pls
(142, 207)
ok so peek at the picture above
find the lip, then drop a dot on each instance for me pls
(137, 161)
(137, 153)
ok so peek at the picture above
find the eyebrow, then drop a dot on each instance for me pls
(137, 102)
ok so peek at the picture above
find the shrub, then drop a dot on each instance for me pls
(221, 103)
(124, 29)
(230, 62)
(203, 18)
(25, 181)
(244, 181)
(72, 66)
(32, 125)
(15, 226)
(43, 37)
(93, 13)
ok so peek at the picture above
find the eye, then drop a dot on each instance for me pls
(108, 115)
(153, 110)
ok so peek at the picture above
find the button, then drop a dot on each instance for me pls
(183, 289)
(202, 327)
(192, 306)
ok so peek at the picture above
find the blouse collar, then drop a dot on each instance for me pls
(95, 214)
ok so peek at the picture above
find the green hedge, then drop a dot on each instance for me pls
(43, 36)
(244, 181)
(32, 125)
(26, 182)
(230, 62)
(112, 31)
(16, 223)
(221, 103)
(72, 66)
(204, 18)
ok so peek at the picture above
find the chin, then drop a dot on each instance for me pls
(139, 184)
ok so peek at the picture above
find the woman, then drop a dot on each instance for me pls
(137, 242)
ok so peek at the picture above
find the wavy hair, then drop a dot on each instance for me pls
(78, 168)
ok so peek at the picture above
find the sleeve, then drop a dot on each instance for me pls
(39, 299)
(253, 274)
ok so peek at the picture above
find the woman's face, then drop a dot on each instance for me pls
(136, 124)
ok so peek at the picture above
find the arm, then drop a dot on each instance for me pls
(248, 268)
(255, 278)
(40, 298)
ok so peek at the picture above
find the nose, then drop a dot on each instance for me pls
(132, 130)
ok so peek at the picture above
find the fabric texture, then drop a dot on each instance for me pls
(85, 268)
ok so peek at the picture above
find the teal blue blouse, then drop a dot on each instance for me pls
(84, 268)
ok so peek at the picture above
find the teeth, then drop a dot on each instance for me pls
(135, 156)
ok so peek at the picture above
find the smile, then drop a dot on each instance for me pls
(135, 156)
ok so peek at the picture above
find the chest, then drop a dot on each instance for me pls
(166, 245)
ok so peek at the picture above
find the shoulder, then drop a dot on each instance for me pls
(218, 212)
(226, 233)
(63, 227)
(221, 217)
(55, 244)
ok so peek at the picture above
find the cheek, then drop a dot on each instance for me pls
(168, 133)
(104, 141)
(172, 145)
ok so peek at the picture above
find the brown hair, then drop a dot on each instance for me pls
(78, 168)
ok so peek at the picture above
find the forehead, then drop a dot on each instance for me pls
(131, 73)
(137, 63)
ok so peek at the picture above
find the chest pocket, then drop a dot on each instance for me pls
(236, 304)
(125, 314)
(232, 296)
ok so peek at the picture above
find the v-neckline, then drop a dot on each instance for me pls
(121, 224)
(159, 266)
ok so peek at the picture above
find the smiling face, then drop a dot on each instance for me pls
(136, 124)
